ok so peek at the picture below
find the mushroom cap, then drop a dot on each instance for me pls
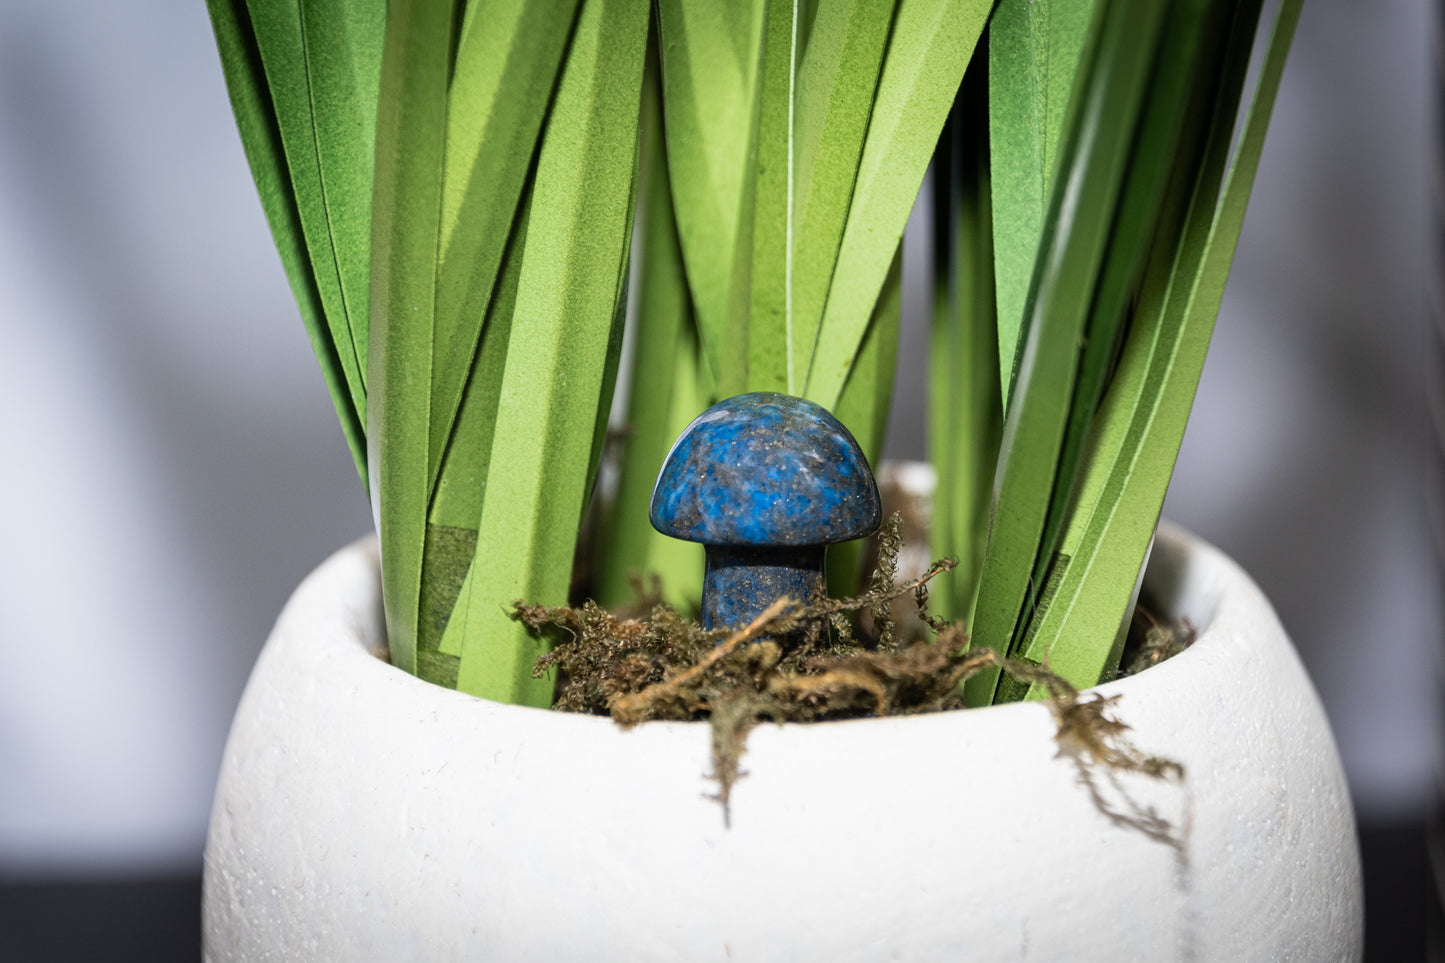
(765, 469)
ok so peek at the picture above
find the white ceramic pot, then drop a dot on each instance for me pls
(364, 815)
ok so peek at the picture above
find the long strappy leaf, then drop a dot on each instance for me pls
(965, 410)
(863, 410)
(768, 367)
(342, 43)
(1155, 154)
(280, 37)
(1034, 54)
(406, 213)
(709, 76)
(562, 327)
(1145, 413)
(931, 44)
(508, 57)
(261, 138)
(457, 500)
(663, 397)
(1082, 206)
(836, 84)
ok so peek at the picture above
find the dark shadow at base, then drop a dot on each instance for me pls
(160, 920)
(156, 921)
(1397, 892)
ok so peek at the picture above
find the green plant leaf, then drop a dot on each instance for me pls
(710, 70)
(281, 39)
(507, 62)
(863, 410)
(456, 506)
(460, 495)
(1155, 154)
(771, 212)
(1082, 206)
(679, 563)
(406, 213)
(1144, 415)
(664, 394)
(945, 322)
(930, 45)
(1067, 34)
(1034, 48)
(612, 357)
(462, 482)
(577, 233)
(863, 406)
(837, 78)
(342, 41)
(965, 411)
(261, 137)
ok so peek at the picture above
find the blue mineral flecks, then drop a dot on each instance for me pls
(765, 469)
(741, 582)
(765, 481)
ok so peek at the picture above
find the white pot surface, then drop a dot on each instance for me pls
(363, 814)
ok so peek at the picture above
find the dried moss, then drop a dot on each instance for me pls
(1152, 640)
(1097, 744)
(809, 661)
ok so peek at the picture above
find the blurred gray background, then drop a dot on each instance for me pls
(170, 466)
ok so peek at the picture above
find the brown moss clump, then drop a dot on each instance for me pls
(803, 660)
(1151, 640)
(1097, 744)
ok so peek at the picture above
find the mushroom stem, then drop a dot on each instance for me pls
(742, 581)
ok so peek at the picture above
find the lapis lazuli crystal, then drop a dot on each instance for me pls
(764, 481)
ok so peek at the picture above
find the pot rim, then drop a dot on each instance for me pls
(1174, 546)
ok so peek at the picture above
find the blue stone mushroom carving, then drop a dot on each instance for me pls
(765, 481)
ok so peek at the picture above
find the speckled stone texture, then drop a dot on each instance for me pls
(762, 475)
(362, 814)
(765, 469)
(740, 582)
